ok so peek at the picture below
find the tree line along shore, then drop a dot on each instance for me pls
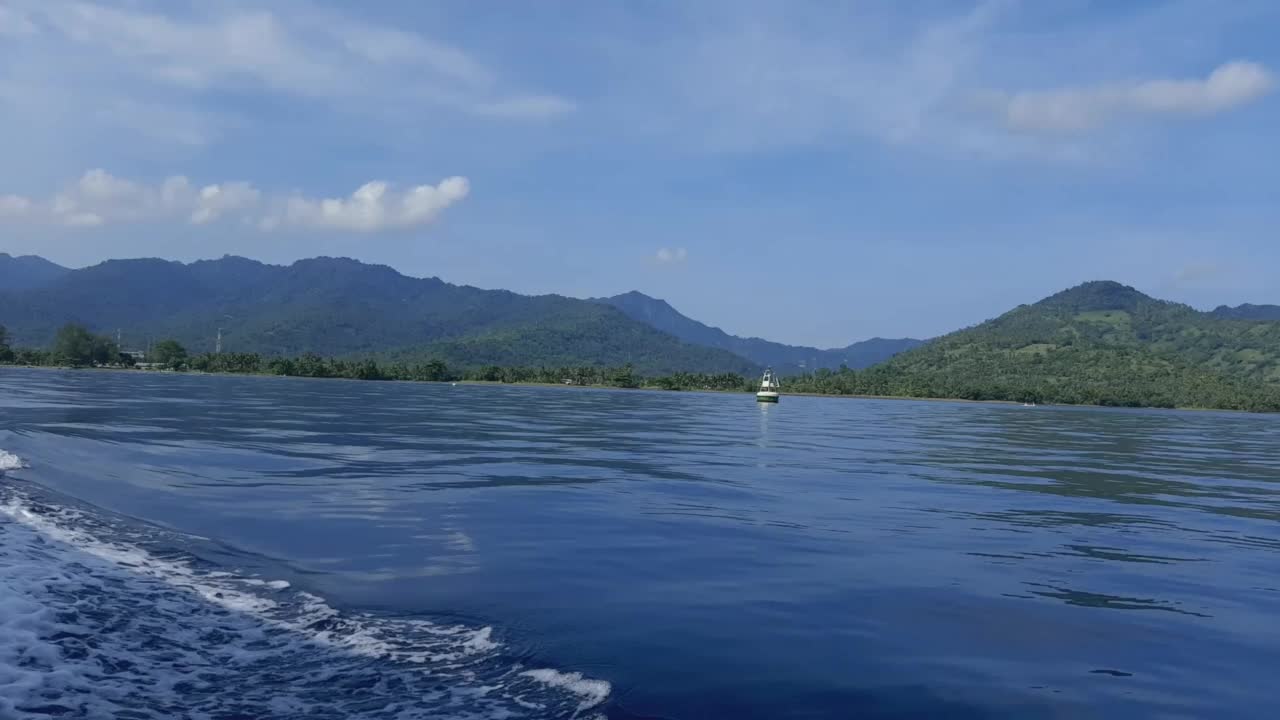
(1103, 384)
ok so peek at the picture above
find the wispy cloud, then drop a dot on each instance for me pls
(762, 76)
(1078, 109)
(742, 76)
(1199, 273)
(758, 76)
(13, 22)
(14, 206)
(174, 60)
(671, 256)
(306, 52)
(99, 198)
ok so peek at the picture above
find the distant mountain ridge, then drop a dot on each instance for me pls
(27, 271)
(783, 358)
(341, 307)
(1248, 311)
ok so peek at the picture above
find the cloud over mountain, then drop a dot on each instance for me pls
(99, 198)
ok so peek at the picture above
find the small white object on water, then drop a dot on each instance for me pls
(768, 388)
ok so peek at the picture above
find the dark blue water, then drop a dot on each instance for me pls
(479, 551)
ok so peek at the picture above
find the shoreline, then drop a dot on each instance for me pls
(499, 383)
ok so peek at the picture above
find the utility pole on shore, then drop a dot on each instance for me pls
(217, 348)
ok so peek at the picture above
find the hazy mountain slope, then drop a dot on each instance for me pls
(1248, 312)
(784, 358)
(27, 271)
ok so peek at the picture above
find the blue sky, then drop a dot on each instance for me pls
(811, 172)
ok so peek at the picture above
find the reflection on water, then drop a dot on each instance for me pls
(1099, 600)
(718, 557)
(762, 440)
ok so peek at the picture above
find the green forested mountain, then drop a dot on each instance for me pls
(341, 307)
(1098, 343)
(786, 359)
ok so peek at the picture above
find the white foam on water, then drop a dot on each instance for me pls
(96, 622)
(9, 461)
(273, 584)
(592, 692)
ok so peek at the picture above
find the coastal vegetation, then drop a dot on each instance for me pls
(1077, 376)
(74, 346)
(171, 355)
(78, 347)
(1071, 378)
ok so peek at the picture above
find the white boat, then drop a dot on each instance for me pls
(769, 389)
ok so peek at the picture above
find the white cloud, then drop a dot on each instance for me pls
(1079, 109)
(373, 206)
(215, 200)
(83, 219)
(99, 198)
(670, 256)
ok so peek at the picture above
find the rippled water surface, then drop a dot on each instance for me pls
(264, 547)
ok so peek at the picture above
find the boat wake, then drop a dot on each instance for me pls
(9, 461)
(104, 618)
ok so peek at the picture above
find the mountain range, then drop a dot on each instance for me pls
(786, 359)
(341, 307)
(1100, 342)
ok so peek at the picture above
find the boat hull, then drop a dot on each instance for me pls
(769, 397)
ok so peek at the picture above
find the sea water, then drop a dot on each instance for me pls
(213, 547)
